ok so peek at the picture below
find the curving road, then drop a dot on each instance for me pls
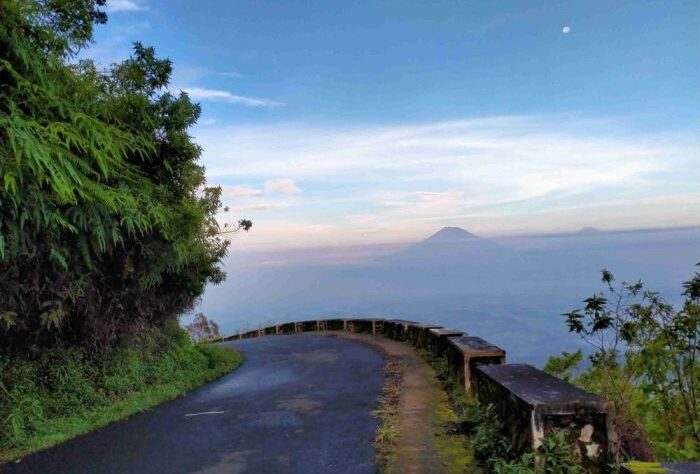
(298, 404)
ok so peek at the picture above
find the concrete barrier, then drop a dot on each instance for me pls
(531, 403)
(397, 328)
(464, 353)
(418, 333)
(438, 339)
(334, 324)
(364, 325)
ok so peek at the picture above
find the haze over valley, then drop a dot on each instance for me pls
(510, 290)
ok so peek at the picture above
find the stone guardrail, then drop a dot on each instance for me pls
(532, 403)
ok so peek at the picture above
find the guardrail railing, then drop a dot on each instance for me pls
(532, 403)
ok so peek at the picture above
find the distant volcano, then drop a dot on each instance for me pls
(450, 246)
(451, 234)
(589, 231)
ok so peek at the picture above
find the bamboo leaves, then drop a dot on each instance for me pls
(100, 210)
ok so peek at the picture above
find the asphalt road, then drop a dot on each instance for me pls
(298, 404)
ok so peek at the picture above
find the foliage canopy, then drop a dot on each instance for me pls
(106, 224)
(645, 360)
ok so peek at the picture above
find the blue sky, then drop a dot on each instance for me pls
(358, 122)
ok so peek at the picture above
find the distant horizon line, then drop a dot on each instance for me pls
(545, 234)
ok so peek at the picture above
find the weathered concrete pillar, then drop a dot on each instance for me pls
(362, 325)
(350, 325)
(438, 339)
(286, 328)
(464, 353)
(335, 324)
(396, 328)
(249, 334)
(532, 404)
(418, 333)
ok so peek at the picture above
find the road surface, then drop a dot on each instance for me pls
(298, 404)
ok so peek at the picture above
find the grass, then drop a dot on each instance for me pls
(453, 447)
(452, 405)
(640, 467)
(58, 394)
(388, 415)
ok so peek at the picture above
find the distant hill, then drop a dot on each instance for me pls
(451, 234)
(588, 231)
(450, 246)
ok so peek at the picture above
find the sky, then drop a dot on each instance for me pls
(335, 122)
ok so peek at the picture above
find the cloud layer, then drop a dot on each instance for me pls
(493, 175)
(123, 6)
(282, 186)
(215, 95)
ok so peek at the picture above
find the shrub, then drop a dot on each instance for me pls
(62, 392)
(487, 439)
(495, 451)
(645, 360)
(552, 457)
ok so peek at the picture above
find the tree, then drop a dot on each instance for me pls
(202, 329)
(563, 366)
(106, 223)
(645, 360)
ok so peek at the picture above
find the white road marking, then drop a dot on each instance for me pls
(205, 413)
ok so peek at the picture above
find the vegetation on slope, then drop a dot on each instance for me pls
(107, 230)
(106, 224)
(472, 438)
(453, 408)
(388, 413)
(645, 360)
(59, 393)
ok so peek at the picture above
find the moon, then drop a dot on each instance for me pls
(566, 30)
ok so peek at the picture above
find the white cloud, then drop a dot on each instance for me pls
(235, 75)
(235, 192)
(188, 74)
(281, 185)
(214, 95)
(257, 207)
(421, 204)
(487, 174)
(123, 6)
(566, 30)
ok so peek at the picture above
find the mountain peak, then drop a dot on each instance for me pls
(588, 231)
(451, 234)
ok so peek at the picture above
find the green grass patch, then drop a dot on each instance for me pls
(452, 407)
(53, 395)
(388, 415)
(454, 448)
(640, 467)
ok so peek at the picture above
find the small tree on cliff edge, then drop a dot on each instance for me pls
(202, 329)
(657, 379)
(106, 224)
